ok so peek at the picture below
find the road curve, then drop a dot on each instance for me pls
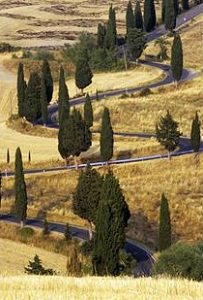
(144, 257)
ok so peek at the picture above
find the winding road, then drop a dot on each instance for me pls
(144, 257)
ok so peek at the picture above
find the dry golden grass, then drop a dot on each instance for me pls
(142, 184)
(53, 23)
(55, 288)
(14, 256)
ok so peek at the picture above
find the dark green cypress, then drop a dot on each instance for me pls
(176, 7)
(20, 188)
(149, 15)
(101, 35)
(63, 96)
(106, 136)
(163, 10)
(33, 98)
(44, 101)
(129, 17)
(136, 42)
(169, 15)
(167, 133)
(8, 156)
(164, 225)
(138, 18)
(112, 217)
(86, 196)
(67, 233)
(177, 58)
(83, 74)
(21, 87)
(111, 32)
(88, 111)
(195, 133)
(185, 4)
(65, 133)
(46, 72)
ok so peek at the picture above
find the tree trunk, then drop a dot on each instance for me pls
(169, 156)
(21, 224)
(76, 163)
(90, 230)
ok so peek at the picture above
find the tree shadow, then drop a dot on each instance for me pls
(143, 230)
(124, 154)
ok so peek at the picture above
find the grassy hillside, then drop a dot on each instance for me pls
(58, 288)
(14, 256)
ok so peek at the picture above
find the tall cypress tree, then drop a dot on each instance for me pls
(164, 225)
(169, 15)
(83, 74)
(86, 196)
(185, 4)
(44, 101)
(63, 96)
(21, 87)
(176, 7)
(177, 58)
(112, 217)
(129, 17)
(106, 136)
(88, 112)
(46, 71)
(65, 135)
(111, 32)
(195, 133)
(167, 133)
(33, 98)
(101, 35)
(138, 18)
(20, 188)
(149, 15)
(163, 10)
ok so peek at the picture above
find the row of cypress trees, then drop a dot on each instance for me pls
(34, 96)
(169, 11)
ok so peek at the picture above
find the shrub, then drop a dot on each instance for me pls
(36, 268)
(42, 55)
(26, 232)
(181, 260)
(145, 91)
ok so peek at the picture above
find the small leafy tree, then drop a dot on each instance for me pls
(67, 233)
(83, 74)
(195, 133)
(136, 41)
(74, 265)
(167, 133)
(36, 268)
(164, 225)
(46, 230)
(86, 196)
